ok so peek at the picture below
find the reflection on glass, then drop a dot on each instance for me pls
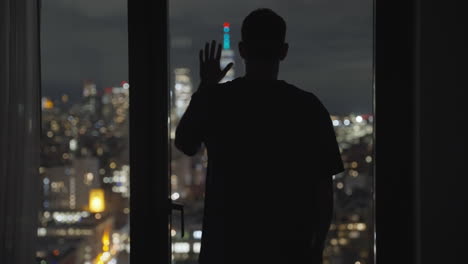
(330, 56)
(84, 209)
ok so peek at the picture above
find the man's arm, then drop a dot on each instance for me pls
(331, 164)
(189, 132)
(323, 206)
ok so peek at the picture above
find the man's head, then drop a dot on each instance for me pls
(263, 37)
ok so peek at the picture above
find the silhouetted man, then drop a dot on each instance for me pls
(271, 150)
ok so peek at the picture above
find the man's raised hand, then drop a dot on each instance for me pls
(210, 71)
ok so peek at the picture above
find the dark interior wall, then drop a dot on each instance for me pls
(421, 150)
(443, 117)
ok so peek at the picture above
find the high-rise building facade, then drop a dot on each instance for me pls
(182, 91)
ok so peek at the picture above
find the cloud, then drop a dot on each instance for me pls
(330, 43)
(93, 8)
(77, 45)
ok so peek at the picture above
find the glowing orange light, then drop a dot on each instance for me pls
(96, 200)
(48, 104)
(105, 241)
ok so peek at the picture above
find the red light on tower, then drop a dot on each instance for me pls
(125, 84)
(226, 24)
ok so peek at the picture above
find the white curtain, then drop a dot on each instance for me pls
(19, 129)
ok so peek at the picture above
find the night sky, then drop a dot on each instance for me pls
(330, 44)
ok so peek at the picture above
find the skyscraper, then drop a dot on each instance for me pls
(89, 106)
(227, 54)
(182, 90)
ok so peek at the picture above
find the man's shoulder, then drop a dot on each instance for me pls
(302, 95)
(287, 90)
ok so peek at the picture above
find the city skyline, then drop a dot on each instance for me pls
(85, 150)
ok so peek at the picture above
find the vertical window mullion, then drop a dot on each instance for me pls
(149, 219)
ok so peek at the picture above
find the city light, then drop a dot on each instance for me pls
(96, 200)
(181, 247)
(196, 247)
(105, 241)
(227, 41)
(41, 231)
(68, 217)
(361, 226)
(197, 234)
(226, 36)
(73, 144)
(175, 196)
(47, 103)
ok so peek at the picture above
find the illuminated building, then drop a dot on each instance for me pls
(115, 105)
(89, 97)
(227, 54)
(182, 91)
(67, 187)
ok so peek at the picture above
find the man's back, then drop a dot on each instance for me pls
(268, 143)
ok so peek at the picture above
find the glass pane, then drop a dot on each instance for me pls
(84, 212)
(330, 55)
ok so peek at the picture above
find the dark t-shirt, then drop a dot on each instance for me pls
(268, 142)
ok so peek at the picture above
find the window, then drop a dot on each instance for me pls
(85, 170)
(330, 55)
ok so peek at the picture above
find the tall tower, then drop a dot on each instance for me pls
(227, 54)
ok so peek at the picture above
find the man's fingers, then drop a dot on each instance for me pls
(228, 67)
(212, 49)
(218, 54)
(200, 56)
(207, 51)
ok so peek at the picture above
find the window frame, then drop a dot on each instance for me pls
(396, 132)
(149, 160)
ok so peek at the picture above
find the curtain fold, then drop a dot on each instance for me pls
(19, 129)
